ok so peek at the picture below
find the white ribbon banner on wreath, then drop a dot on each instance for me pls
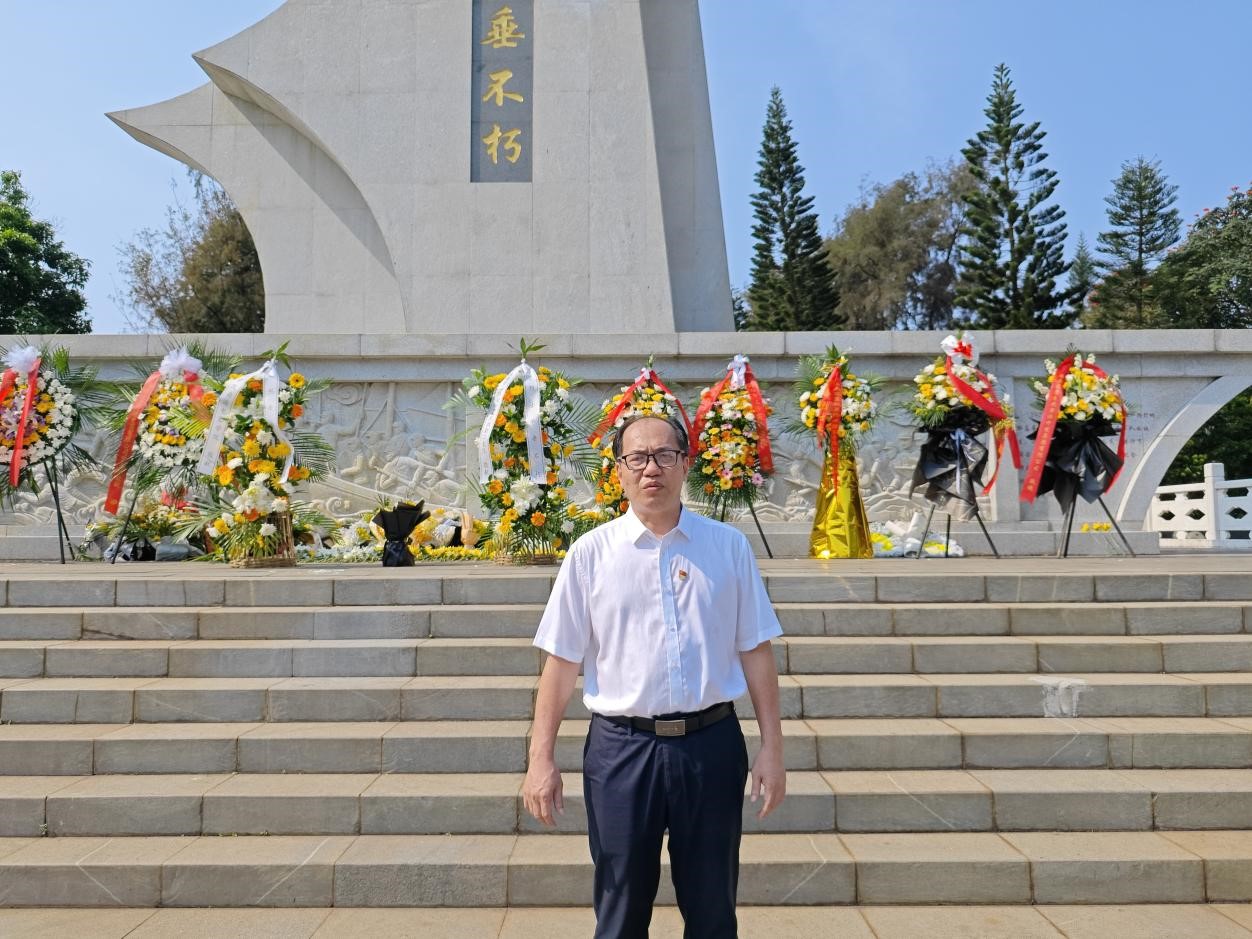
(736, 369)
(215, 436)
(530, 421)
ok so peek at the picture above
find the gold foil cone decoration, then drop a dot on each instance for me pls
(841, 527)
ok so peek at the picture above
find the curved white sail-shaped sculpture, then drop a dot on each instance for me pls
(343, 132)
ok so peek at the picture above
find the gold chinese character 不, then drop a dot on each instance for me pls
(496, 89)
(512, 149)
(504, 30)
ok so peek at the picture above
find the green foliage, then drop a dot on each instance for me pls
(1225, 438)
(1206, 282)
(1013, 252)
(200, 274)
(1143, 225)
(894, 251)
(41, 283)
(1083, 276)
(792, 286)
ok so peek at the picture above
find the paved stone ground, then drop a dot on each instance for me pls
(1214, 921)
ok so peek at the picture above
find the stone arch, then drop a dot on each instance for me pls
(1147, 472)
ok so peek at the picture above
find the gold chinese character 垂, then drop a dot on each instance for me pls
(496, 88)
(512, 149)
(504, 30)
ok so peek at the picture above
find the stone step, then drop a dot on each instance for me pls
(799, 655)
(972, 580)
(555, 870)
(985, 921)
(500, 746)
(477, 621)
(511, 697)
(489, 803)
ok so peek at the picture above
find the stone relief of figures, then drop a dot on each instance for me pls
(392, 440)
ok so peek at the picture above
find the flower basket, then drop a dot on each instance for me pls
(284, 548)
(527, 558)
(526, 445)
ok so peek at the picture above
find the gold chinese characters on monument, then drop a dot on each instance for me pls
(503, 72)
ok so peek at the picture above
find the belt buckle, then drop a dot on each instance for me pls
(676, 728)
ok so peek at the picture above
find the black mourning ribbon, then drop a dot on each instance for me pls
(1079, 462)
(951, 484)
(397, 524)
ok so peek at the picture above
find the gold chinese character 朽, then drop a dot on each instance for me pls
(496, 88)
(504, 30)
(512, 149)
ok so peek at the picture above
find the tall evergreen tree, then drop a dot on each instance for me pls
(1143, 225)
(793, 286)
(41, 283)
(1084, 274)
(1013, 251)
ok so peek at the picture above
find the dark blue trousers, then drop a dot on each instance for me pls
(636, 786)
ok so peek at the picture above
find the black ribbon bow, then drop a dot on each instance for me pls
(397, 524)
(1079, 462)
(952, 461)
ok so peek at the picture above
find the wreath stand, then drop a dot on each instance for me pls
(760, 531)
(947, 540)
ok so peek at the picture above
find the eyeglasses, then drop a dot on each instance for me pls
(639, 461)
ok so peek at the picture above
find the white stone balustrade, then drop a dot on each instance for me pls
(1214, 513)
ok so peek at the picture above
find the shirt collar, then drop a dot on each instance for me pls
(635, 529)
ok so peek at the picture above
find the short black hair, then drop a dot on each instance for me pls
(674, 421)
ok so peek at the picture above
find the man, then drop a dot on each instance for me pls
(666, 612)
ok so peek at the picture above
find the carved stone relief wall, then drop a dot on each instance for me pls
(385, 414)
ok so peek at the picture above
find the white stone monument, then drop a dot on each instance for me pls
(466, 166)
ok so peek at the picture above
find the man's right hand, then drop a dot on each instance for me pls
(542, 792)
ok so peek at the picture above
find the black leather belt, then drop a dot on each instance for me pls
(677, 726)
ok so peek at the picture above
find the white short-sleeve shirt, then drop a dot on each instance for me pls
(658, 623)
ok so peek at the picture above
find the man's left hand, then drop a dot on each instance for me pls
(769, 780)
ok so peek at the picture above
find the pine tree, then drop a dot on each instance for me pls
(793, 286)
(1013, 251)
(41, 283)
(1084, 274)
(1144, 224)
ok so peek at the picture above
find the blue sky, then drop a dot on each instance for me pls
(874, 89)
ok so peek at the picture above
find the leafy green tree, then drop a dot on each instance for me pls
(792, 284)
(200, 274)
(1143, 225)
(1013, 252)
(1225, 438)
(41, 283)
(894, 252)
(1206, 282)
(1084, 274)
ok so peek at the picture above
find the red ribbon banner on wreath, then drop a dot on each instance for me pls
(990, 405)
(830, 421)
(764, 453)
(7, 384)
(646, 375)
(1047, 428)
(130, 432)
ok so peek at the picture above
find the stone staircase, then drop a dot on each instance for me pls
(1037, 744)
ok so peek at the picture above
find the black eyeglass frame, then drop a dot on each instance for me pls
(653, 456)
